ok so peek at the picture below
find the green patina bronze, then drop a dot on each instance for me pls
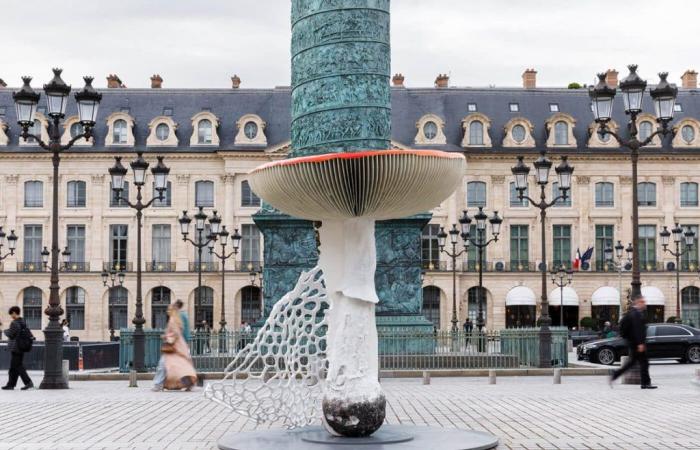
(341, 61)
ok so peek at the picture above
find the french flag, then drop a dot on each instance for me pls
(577, 260)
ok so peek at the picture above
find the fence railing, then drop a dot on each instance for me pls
(398, 349)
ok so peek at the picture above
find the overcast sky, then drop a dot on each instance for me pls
(201, 43)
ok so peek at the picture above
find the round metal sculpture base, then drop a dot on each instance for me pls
(388, 437)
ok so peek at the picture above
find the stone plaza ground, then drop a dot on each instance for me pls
(525, 412)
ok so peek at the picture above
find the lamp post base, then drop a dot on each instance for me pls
(53, 358)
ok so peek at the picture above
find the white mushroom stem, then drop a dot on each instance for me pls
(348, 260)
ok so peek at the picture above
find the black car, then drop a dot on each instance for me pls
(664, 340)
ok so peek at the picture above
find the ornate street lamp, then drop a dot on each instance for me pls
(200, 219)
(615, 259)
(26, 101)
(117, 173)
(65, 259)
(454, 235)
(633, 88)
(564, 172)
(562, 278)
(223, 256)
(11, 243)
(688, 238)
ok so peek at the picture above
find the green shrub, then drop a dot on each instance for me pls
(588, 323)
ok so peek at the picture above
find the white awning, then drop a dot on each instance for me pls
(606, 295)
(570, 297)
(653, 296)
(521, 295)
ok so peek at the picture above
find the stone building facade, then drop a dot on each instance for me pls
(212, 138)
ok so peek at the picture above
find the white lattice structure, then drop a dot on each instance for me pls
(279, 377)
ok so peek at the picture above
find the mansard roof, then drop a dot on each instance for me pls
(408, 106)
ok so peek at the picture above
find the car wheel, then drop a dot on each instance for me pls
(606, 356)
(692, 355)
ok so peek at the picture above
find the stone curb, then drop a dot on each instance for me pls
(438, 373)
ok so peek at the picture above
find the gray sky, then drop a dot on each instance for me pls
(202, 43)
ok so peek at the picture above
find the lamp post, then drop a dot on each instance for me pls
(562, 278)
(65, 259)
(160, 172)
(223, 256)
(542, 168)
(11, 243)
(454, 234)
(633, 88)
(115, 279)
(200, 220)
(480, 243)
(689, 239)
(614, 258)
(26, 101)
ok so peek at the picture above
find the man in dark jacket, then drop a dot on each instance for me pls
(17, 369)
(633, 329)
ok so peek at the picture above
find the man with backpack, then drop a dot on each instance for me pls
(20, 341)
(633, 328)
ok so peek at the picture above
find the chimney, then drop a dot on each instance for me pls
(235, 82)
(689, 79)
(113, 82)
(442, 81)
(156, 82)
(2, 83)
(611, 78)
(398, 80)
(530, 79)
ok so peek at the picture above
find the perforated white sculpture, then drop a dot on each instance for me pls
(282, 371)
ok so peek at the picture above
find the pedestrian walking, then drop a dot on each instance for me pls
(66, 330)
(206, 330)
(175, 368)
(185, 321)
(20, 341)
(468, 327)
(633, 329)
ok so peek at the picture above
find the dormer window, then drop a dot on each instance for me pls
(518, 132)
(645, 130)
(687, 133)
(3, 133)
(476, 131)
(251, 130)
(72, 128)
(561, 133)
(39, 129)
(430, 130)
(646, 125)
(598, 140)
(554, 107)
(204, 126)
(471, 107)
(204, 132)
(120, 127)
(560, 128)
(513, 107)
(162, 132)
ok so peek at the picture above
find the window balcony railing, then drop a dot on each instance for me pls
(434, 266)
(119, 266)
(686, 266)
(651, 266)
(160, 266)
(473, 266)
(519, 266)
(205, 266)
(77, 266)
(30, 266)
(248, 266)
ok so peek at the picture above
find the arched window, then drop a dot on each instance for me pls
(76, 194)
(646, 194)
(690, 306)
(689, 195)
(162, 131)
(118, 308)
(203, 306)
(33, 194)
(645, 129)
(561, 133)
(248, 197)
(476, 193)
(604, 195)
(688, 133)
(31, 307)
(160, 299)
(473, 303)
(519, 134)
(476, 133)
(204, 134)
(119, 132)
(75, 307)
(204, 194)
(430, 130)
(251, 304)
(431, 305)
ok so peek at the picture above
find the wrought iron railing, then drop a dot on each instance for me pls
(159, 266)
(118, 266)
(77, 266)
(212, 266)
(398, 350)
(247, 266)
(30, 266)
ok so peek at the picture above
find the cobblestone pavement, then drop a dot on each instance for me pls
(525, 412)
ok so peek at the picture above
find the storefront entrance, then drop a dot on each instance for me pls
(519, 316)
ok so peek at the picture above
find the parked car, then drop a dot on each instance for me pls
(580, 336)
(664, 341)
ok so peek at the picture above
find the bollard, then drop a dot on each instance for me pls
(557, 376)
(133, 379)
(426, 377)
(66, 369)
(492, 377)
